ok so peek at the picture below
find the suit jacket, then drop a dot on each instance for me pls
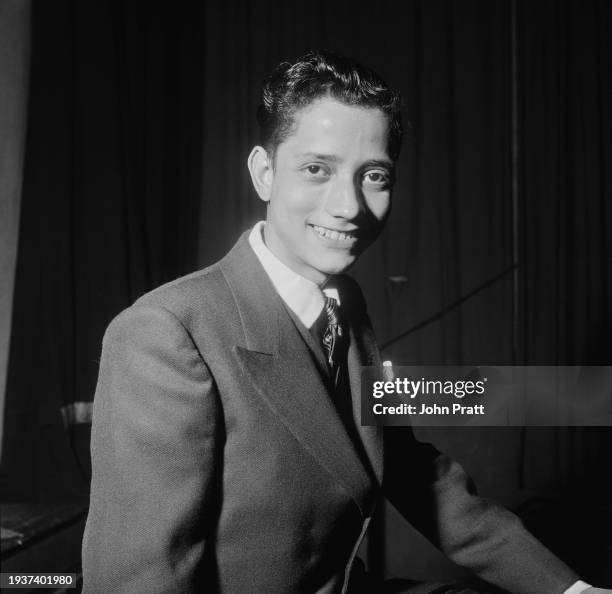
(220, 462)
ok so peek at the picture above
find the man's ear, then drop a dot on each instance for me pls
(262, 174)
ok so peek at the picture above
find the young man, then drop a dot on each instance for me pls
(227, 449)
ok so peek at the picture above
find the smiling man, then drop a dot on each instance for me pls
(227, 449)
(327, 184)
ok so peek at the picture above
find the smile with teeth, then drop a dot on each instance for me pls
(334, 235)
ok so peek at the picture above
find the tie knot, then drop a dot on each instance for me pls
(332, 334)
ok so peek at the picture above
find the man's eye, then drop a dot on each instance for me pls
(377, 178)
(315, 170)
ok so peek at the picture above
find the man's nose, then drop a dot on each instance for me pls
(345, 200)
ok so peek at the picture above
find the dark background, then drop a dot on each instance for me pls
(498, 250)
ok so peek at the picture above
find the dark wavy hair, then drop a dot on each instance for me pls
(292, 87)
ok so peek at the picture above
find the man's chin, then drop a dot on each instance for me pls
(331, 268)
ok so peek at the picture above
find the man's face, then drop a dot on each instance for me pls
(331, 188)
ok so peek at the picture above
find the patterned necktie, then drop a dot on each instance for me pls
(332, 333)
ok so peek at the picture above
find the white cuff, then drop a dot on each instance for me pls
(578, 587)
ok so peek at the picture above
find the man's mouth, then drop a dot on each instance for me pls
(334, 234)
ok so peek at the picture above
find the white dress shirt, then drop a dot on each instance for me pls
(302, 296)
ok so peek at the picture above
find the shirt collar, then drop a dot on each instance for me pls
(301, 295)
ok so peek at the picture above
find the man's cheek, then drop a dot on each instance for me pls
(382, 211)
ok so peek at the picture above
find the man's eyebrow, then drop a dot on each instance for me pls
(320, 157)
(385, 163)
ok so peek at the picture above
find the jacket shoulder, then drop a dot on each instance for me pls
(192, 300)
(183, 293)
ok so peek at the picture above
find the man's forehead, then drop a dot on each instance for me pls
(333, 130)
(331, 113)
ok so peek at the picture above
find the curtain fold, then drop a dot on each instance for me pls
(110, 208)
(565, 96)
(14, 61)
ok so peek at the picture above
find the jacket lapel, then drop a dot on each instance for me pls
(285, 373)
(364, 351)
(308, 338)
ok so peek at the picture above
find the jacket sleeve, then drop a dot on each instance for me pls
(438, 498)
(156, 433)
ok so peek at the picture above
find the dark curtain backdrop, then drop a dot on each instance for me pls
(109, 209)
(566, 217)
(565, 220)
(140, 123)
